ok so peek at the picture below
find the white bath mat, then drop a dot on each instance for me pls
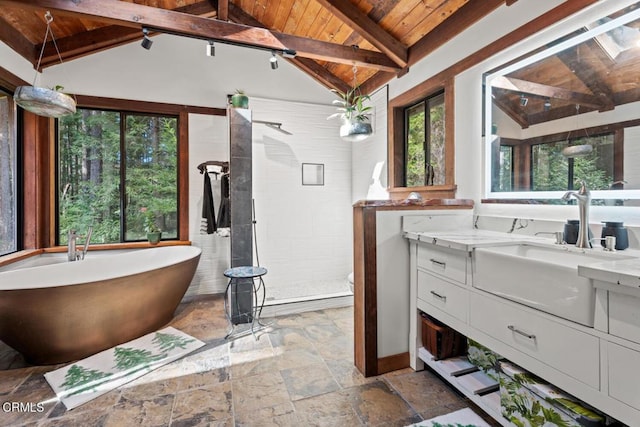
(89, 378)
(462, 418)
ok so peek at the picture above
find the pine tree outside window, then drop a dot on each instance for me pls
(114, 170)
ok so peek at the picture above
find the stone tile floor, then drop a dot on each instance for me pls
(300, 372)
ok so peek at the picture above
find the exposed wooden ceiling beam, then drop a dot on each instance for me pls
(110, 36)
(367, 28)
(321, 74)
(546, 91)
(596, 85)
(223, 10)
(17, 41)
(463, 18)
(309, 66)
(517, 116)
(137, 16)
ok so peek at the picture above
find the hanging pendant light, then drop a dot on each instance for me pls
(40, 100)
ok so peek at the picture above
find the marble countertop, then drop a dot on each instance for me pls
(624, 271)
(467, 240)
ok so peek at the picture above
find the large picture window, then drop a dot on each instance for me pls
(117, 172)
(8, 176)
(551, 171)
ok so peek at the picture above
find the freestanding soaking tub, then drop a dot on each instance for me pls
(63, 312)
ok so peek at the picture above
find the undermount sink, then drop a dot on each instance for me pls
(544, 277)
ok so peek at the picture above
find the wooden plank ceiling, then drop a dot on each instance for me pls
(380, 38)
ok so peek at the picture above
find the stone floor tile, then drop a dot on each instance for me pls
(203, 406)
(424, 390)
(150, 411)
(346, 374)
(278, 415)
(307, 381)
(202, 379)
(377, 404)
(340, 313)
(290, 338)
(338, 348)
(323, 332)
(11, 379)
(259, 391)
(327, 410)
(297, 358)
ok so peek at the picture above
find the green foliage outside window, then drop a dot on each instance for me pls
(108, 161)
(425, 142)
(550, 170)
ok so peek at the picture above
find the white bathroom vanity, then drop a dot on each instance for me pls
(570, 316)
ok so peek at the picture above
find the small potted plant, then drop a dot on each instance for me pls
(154, 234)
(354, 114)
(239, 99)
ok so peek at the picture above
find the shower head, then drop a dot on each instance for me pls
(273, 125)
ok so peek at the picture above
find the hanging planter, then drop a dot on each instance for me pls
(356, 125)
(44, 101)
(355, 130)
(239, 99)
(41, 100)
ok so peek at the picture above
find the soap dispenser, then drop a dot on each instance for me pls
(616, 229)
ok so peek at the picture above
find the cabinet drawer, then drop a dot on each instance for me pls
(571, 351)
(624, 376)
(624, 316)
(443, 295)
(446, 262)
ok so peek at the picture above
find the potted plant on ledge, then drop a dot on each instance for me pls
(154, 234)
(354, 114)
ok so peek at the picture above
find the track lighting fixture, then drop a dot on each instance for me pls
(211, 49)
(146, 41)
(547, 104)
(523, 100)
(273, 60)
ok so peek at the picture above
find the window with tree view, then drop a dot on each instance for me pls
(551, 171)
(117, 172)
(8, 176)
(425, 142)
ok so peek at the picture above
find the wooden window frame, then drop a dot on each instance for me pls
(396, 146)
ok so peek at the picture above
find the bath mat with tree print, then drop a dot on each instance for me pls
(89, 378)
(462, 418)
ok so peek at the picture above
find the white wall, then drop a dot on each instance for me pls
(370, 156)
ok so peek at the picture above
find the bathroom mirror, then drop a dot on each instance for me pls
(568, 110)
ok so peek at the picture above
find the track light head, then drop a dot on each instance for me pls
(211, 49)
(523, 100)
(273, 61)
(547, 104)
(146, 41)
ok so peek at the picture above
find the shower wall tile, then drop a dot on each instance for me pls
(304, 233)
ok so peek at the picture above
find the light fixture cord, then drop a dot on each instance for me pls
(49, 18)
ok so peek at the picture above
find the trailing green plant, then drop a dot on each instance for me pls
(351, 105)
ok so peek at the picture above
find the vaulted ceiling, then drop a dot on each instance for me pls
(381, 38)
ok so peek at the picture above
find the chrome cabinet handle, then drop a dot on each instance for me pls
(518, 331)
(435, 261)
(440, 297)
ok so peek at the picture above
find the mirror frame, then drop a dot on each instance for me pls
(582, 20)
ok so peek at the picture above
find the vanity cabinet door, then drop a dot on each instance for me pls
(624, 316)
(445, 262)
(441, 294)
(624, 375)
(566, 349)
